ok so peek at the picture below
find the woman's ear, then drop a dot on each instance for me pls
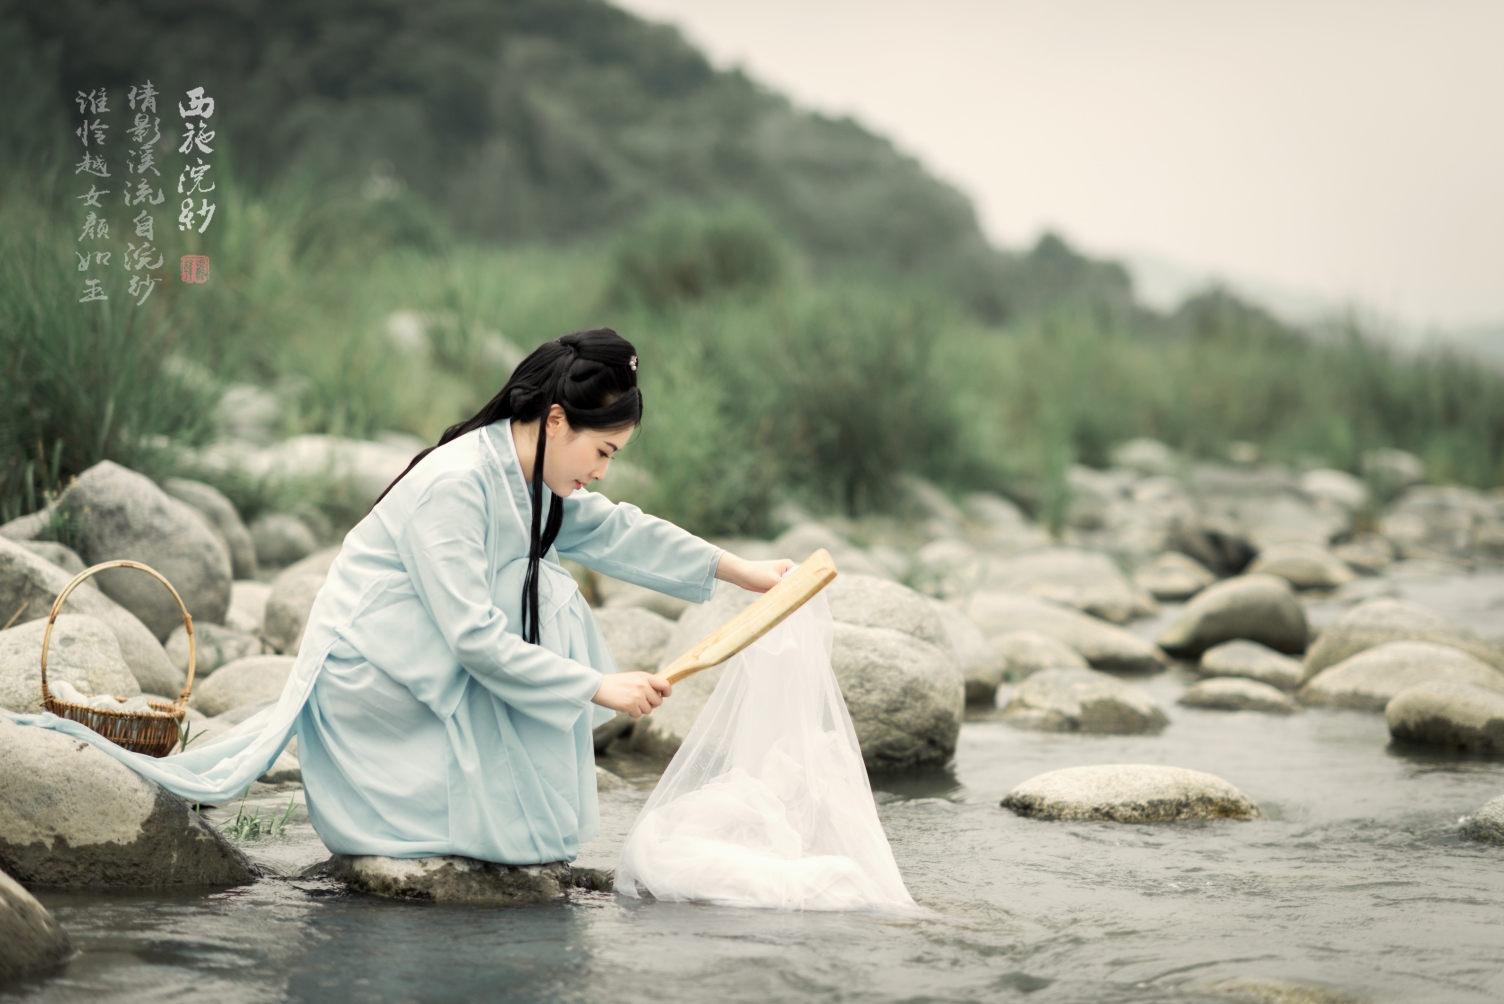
(558, 422)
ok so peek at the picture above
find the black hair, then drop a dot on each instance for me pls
(592, 375)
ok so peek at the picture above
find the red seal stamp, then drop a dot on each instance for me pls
(195, 267)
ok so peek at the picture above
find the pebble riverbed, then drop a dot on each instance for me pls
(1357, 888)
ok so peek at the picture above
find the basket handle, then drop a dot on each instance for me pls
(57, 607)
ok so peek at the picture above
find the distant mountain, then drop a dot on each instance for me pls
(518, 119)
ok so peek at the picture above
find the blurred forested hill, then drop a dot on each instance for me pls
(524, 120)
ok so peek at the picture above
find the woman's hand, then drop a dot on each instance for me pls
(635, 693)
(758, 576)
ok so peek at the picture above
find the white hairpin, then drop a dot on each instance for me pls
(633, 363)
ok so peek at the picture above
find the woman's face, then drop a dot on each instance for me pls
(575, 458)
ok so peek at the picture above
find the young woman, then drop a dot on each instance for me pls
(450, 674)
(456, 703)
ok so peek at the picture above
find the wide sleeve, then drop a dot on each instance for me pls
(622, 541)
(443, 546)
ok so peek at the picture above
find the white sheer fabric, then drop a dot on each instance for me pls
(767, 802)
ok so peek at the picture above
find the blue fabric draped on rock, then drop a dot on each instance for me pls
(425, 724)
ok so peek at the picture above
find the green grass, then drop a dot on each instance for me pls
(763, 380)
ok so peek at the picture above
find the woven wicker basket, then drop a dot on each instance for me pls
(154, 732)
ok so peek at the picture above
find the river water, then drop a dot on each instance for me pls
(1357, 888)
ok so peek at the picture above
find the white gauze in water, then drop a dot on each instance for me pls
(767, 802)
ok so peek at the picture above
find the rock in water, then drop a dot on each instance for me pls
(1173, 576)
(1259, 608)
(981, 665)
(30, 584)
(73, 816)
(660, 733)
(1086, 580)
(29, 938)
(216, 646)
(1103, 645)
(1130, 793)
(1487, 823)
(906, 697)
(1082, 700)
(455, 879)
(1459, 716)
(872, 602)
(220, 512)
(244, 681)
(1230, 693)
(122, 514)
(1253, 661)
(82, 651)
(1373, 677)
(1304, 565)
(1025, 653)
(636, 637)
(1382, 620)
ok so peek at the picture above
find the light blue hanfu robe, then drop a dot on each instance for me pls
(425, 724)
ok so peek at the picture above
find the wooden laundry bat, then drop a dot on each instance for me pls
(791, 593)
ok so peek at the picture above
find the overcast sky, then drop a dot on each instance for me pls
(1350, 148)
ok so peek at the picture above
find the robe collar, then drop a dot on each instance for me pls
(510, 466)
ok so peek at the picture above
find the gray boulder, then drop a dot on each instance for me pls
(1458, 716)
(1130, 793)
(1025, 653)
(1393, 470)
(1252, 661)
(281, 539)
(616, 593)
(29, 585)
(29, 527)
(291, 600)
(1173, 576)
(82, 651)
(122, 514)
(1304, 565)
(1219, 544)
(1082, 700)
(660, 733)
(216, 646)
(30, 939)
(980, 664)
(1337, 487)
(244, 681)
(1382, 620)
(1487, 823)
(247, 606)
(1103, 645)
(906, 696)
(1366, 553)
(73, 816)
(803, 539)
(455, 879)
(63, 557)
(220, 512)
(873, 602)
(1259, 608)
(1231, 693)
(636, 637)
(1086, 580)
(1373, 677)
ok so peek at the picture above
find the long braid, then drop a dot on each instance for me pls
(542, 537)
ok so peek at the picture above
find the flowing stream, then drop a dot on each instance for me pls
(1357, 888)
